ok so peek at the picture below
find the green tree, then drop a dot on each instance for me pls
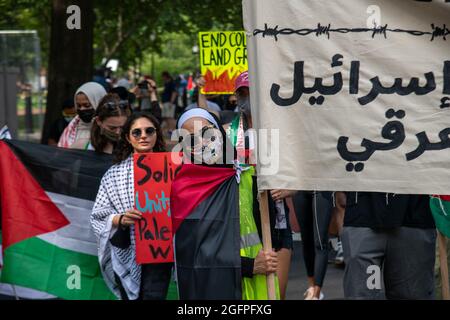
(114, 29)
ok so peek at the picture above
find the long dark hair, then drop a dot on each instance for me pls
(124, 148)
(98, 141)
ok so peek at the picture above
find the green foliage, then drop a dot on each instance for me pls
(28, 15)
(176, 56)
(124, 29)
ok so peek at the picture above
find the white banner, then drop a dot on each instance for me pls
(358, 90)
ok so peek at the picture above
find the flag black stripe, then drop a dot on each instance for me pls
(75, 173)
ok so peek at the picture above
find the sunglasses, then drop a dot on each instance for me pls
(122, 104)
(137, 133)
(191, 141)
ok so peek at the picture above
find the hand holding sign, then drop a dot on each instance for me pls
(153, 176)
(130, 218)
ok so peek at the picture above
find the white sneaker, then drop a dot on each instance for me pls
(309, 294)
(339, 259)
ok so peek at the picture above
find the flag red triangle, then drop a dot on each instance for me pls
(443, 197)
(192, 185)
(26, 210)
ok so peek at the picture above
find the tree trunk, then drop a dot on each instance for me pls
(70, 58)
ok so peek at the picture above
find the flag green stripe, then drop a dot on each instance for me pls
(39, 265)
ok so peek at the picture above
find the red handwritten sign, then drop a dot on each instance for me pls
(153, 176)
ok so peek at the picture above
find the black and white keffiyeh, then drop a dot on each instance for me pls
(116, 196)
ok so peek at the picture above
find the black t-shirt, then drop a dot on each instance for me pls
(387, 210)
(169, 88)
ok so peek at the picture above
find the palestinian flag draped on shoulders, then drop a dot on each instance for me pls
(213, 221)
(46, 199)
(205, 214)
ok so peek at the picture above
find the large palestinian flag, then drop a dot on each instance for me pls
(46, 196)
(205, 214)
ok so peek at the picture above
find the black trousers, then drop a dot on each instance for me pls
(313, 211)
(155, 280)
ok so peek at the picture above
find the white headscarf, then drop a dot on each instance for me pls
(196, 113)
(93, 91)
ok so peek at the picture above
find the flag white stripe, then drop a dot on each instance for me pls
(78, 235)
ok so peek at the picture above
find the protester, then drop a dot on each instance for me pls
(68, 113)
(123, 82)
(124, 94)
(86, 100)
(337, 225)
(113, 217)
(110, 117)
(101, 77)
(201, 101)
(390, 238)
(281, 233)
(231, 103)
(215, 155)
(147, 95)
(169, 96)
(181, 85)
(313, 211)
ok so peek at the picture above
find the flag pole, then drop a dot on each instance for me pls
(267, 240)
(443, 265)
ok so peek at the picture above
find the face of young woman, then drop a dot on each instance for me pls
(204, 142)
(113, 124)
(82, 102)
(85, 110)
(142, 135)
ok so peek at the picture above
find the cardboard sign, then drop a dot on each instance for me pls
(223, 57)
(153, 176)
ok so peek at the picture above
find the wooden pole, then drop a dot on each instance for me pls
(443, 265)
(267, 239)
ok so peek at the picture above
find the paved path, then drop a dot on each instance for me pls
(298, 283)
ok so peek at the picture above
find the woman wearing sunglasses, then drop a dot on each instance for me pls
(205, 145)
(113, 217)
(110, 117)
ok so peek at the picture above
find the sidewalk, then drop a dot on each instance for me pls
(333, 288)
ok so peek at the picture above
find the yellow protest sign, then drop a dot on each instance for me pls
(223, 57)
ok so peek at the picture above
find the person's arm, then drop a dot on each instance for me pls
(247, 265)
(264, 263)
(279, 194)
(155, 106)
(202, 102)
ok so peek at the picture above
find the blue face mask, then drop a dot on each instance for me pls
(68, 119)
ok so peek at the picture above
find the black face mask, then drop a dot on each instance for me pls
(110, 135)
(86, 115)
(231, 106)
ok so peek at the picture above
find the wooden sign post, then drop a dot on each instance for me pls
(267, 240)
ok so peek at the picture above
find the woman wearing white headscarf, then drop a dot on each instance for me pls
(77, 133)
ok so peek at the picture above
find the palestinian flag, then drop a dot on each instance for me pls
(205, 214)
(46, 197)
(440, 208)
